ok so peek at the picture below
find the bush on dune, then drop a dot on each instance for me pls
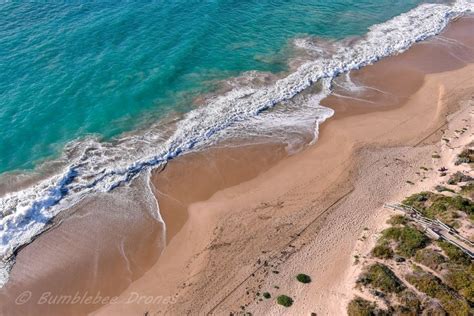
(397, 220)
(454, 254)
(382, 251)
(408, 239)
(382, 278)
(466, 156)
(461, 278)
(440, 206)
(432, 286)
(361, 307)
(430, 258)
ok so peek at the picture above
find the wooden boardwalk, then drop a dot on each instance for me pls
(436, 229)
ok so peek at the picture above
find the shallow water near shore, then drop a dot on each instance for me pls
(77, 69)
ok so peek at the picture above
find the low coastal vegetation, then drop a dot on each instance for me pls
(466, 156)
(407, 240)
(459, 177)
(303, 278)
(361, 307)
(380, 277)
(468, 191)
(441, 273)
(411, 271)
(442, 207)
(434, 287)
(285, 300)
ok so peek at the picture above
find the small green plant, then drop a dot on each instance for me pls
(285, 300)
(435, 156)
(382, 278)
(303, 278)
(409, 182)
(356, 259)
(461, 278)
(266, 295)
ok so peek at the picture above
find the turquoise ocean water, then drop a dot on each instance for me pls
(68, 70)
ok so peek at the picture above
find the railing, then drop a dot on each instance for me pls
(436, 228)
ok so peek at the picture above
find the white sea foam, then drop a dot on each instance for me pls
(99, 167)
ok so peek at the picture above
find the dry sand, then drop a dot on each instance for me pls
(241, 221)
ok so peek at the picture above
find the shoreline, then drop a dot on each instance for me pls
(206, 222)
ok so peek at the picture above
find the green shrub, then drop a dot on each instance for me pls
(397, 220)
(461, 278)
(429, 258)
(285, 300)
(361, 307)
(417, 199)
(303, 278)
(468, 190)
(433, 308)
(435, 288)
(459, 177)
(466, 156)
(266, 295)
(411, 305)
(454, 254)
(441, 188)
(440, 206)
(382, 251)
(382, 278)
(408, 239)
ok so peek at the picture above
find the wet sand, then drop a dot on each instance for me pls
(197, 176)
(108, 241)
(226, 209)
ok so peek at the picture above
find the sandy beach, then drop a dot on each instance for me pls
(234, 222)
